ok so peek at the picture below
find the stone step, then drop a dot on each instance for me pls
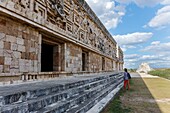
(39, 104)
(22, 96)
(81, 98)
(88, 104)
(64, 94)
(76, 104)
(68, 94)
(63, 99)
(49, 108)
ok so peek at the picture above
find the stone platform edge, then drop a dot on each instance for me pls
(8, 79)
(105, 101)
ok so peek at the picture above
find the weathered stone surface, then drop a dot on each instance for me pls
(7, 45)
(11, 39)
(17, 54)
(95, 62)
(20, 41)
(21, 48)
(2, 36)
(1, 68)
(6, 68)
(109, 64)
(2, 22)
(73, 58)
(1, 60)
(71, 95)
(1, 44)
(14, 46)
(1, 52)
(8, 60)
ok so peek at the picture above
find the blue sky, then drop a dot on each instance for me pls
(140, 27)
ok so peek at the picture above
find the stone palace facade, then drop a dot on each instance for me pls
(40, 38)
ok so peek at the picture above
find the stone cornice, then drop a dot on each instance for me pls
(93, 16)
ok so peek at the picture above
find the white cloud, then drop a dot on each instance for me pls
(142, 3)
(132, 39)
(159, 62)
(109, 5)
(164, 10)
(111, 19)
(168, 37)
(162, 18)
(155, 43)
(132, 56)
(155, 60)
(165, 2)
(124, 1)
(158, 56)
(150, 57)
(129, 46)
(109, 13)
(125, 47)
(158, 48)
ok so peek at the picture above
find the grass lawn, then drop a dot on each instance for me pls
(116, 106)
(165, 73)
(136, 100)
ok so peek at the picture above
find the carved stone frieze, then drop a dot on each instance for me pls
(22, 6)
(69, 27)
(22, 3)
(40, 9)
(69, 16)
(55, 13)
(58, 5)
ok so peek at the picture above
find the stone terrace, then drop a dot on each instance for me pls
(72, 94)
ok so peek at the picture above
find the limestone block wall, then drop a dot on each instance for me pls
(95, 62)
(19, 47)
(109, 64)
(73, 58)
(114, 65)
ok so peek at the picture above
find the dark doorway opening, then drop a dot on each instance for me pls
(103, 63)
(46, 58)
(83, 61)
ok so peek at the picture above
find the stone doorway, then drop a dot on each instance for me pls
(103, 63)
(47, 57)
(84, 61)
(52, 55)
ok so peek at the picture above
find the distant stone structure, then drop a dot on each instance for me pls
(144, 67)
(50, 38)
